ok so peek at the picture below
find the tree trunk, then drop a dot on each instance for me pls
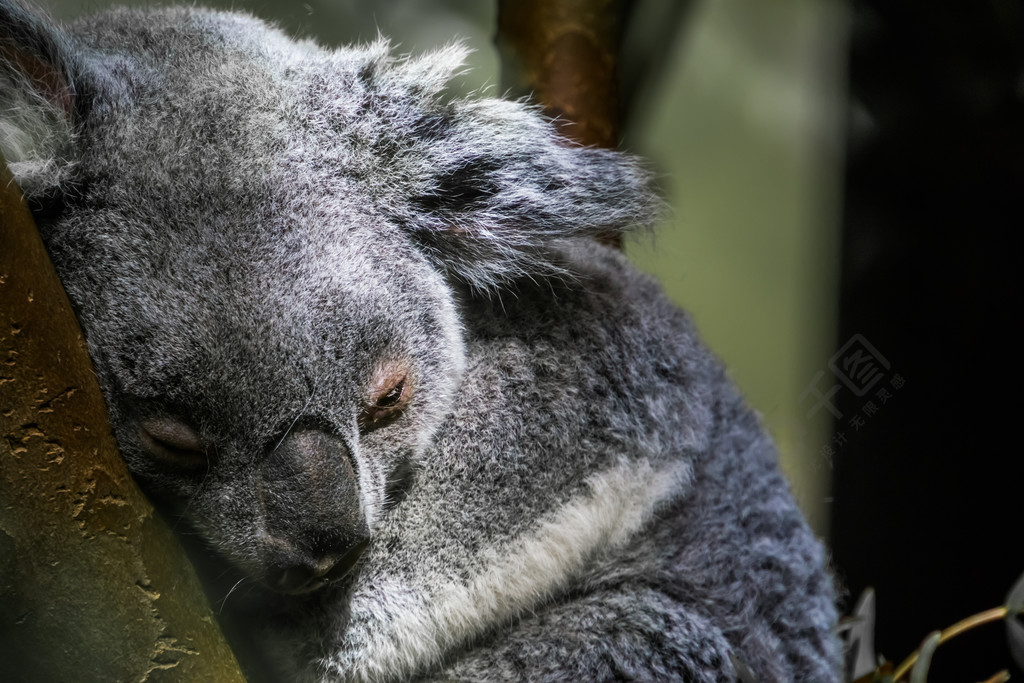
(93, 586)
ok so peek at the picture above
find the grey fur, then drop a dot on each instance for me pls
(258, 235)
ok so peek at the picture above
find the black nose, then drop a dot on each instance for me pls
(304, 577)
(315, 528)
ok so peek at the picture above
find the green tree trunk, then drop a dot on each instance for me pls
(93, 586)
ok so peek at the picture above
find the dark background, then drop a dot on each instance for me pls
(928, 498)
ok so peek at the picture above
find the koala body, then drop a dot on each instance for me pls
(360, 336)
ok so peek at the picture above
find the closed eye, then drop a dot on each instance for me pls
(173, 443)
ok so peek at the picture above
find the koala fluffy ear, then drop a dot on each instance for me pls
(37, 98)
(494, 186)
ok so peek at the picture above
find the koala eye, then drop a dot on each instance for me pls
(173, 443)
(393, 396)
(389, 397)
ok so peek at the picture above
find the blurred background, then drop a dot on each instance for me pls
(846, 180)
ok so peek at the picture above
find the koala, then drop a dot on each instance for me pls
(358, 334)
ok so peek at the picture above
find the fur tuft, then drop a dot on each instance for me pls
(36, 100)
(487, 187)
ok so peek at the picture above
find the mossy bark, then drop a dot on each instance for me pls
(93, 586)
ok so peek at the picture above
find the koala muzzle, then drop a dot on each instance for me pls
(299, 578)
(316, 530)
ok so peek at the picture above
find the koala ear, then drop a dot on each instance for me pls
(494, 186)
(37, 98)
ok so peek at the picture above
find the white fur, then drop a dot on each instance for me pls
(518, 577)
(34, 133)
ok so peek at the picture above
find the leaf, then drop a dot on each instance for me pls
(1015, 598)
(1014, 627)
(883, 674)
(1015, 637)
(919, 674)
(859, 649)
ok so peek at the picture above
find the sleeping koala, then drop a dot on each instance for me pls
(360, 336)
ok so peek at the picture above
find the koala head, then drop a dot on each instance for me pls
(269, 247)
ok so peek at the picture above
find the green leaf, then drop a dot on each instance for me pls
(1015, 636)
(860, 638)
(919, 674)
(1015, 598)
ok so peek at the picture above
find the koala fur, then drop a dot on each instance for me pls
(359, 335)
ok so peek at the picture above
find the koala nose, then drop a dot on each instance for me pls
(315, 527)
(296, 578)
